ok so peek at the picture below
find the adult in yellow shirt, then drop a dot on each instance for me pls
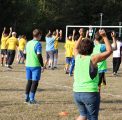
(22, 44)
(12, 44)
(4, 38)
(57, 36)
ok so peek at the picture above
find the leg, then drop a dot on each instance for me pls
(92, 103)
(78, 101)
(118, 62)
(36, 74)
(114, 65)
(29, 83)
(28, 88)
(72, 66)
(55, 58)
(33, 90)
(11, 58)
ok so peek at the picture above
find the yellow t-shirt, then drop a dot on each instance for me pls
(56, 42)
(22, 43)
(69, 47)
(12, 43)
(3, 42)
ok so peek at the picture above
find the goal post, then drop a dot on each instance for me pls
(90, 26)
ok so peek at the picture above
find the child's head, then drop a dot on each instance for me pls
(76, 37)
(70, 37)
(37, 34)
(97, 36)
(24, 36)
(86, 47)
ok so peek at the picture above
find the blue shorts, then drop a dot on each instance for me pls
(88, 104)
(33, 73)
(56, 51)
(68, 60)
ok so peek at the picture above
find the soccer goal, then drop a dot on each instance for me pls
(93, 29)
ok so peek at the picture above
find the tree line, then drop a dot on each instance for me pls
(25, 15)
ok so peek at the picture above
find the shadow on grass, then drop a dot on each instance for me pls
(112, 101)
(38, 90)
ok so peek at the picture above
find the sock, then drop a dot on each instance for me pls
(31, 96)
(27, 96)
(55, 62)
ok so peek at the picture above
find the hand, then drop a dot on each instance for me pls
(81, 32)
(74, 31)
(4, 28)
(102, 33)
(42, 69)
(113, 34)
(10, 28)
(87, 33)
(60, 31)
(56, 30)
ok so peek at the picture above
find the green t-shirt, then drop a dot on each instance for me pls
(82, 79)
(31, 56)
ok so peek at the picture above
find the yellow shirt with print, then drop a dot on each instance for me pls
(56, 42)
(69, 47)
(3, 42)
(22, 43)
(12, 43)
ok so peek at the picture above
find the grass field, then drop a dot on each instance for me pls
(54, 95)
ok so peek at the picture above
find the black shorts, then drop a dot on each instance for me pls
(21, 53)
(3, 51)
(101, 78)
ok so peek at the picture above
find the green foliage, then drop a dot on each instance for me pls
(25, 15)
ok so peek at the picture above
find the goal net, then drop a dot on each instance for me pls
(93, 29)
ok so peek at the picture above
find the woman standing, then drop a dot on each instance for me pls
(86, 93)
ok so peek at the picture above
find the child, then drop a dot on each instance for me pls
(22, 43)
(4, 39)
(34, 66)
(69, 47)
(57, 36)
(102, 66)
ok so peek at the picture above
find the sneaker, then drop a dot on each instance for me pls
(32, 102)
(26, 101)
(55, 67)
(5, 65)
(2, 65)
(70, 75)
(9, 67)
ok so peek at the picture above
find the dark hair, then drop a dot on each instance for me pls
(76, 37)
(86, 47)
(97, 36)
(36, 33)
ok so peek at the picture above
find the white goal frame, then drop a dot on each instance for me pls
(90, 26)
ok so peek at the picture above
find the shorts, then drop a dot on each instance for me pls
(33, 73)
(101, 78)
(21, 53)
(88, 104)
(50, 55)
(4, 51)
(56, 51)
(69, 60)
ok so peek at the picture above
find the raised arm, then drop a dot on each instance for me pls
(10, 31)
(102, 56)
(61, 34)
(114, 44)
(57, 33)
(4, 31)
(77, 43)
(73, 34)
